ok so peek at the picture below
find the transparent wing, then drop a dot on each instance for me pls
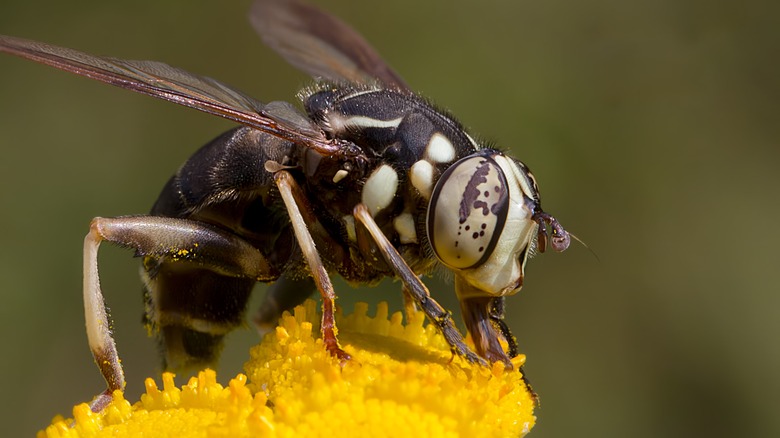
(176, 85)
(320, 44)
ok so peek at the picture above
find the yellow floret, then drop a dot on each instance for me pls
(402, 380)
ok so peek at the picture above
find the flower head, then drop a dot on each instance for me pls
(402, 380)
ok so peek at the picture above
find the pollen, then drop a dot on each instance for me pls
(402, 380)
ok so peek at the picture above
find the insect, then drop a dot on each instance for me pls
(370, 182)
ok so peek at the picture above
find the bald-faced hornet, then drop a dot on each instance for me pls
(371, 182)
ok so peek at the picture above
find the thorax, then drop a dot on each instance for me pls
(408, 144)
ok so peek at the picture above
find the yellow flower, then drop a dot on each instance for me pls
(401, 381)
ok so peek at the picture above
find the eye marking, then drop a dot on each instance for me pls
(468, 211)
(471, 191)
(482, 205)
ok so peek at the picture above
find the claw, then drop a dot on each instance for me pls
(338, 353)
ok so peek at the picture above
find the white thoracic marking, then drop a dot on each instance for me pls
(359, 93)
(339, 175)
(404, 225)
(440, 149)
(380, 188)
(368, 122)
(339, 123)
(421, 175)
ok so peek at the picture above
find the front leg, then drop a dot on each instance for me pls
(174, 240)
(415, 287)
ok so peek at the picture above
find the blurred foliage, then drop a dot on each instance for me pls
(650, 125)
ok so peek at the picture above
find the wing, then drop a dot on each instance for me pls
(175, 85)
(320, 44)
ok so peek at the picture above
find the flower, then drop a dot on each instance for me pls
(401, 380)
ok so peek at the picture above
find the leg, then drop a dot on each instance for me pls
(173, 240)
(294, 200)
(435, 313)
(497, 316)
(101, 343)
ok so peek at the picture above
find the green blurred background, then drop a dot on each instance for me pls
(651, 126)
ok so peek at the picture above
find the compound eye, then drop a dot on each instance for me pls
(467, 212)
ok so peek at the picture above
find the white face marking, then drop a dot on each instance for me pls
(339, 175)
(525, 185)
(380, 188)
(404, 225)
(421, 175)
(440, 149)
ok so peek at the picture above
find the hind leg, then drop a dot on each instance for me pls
(176, 241)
